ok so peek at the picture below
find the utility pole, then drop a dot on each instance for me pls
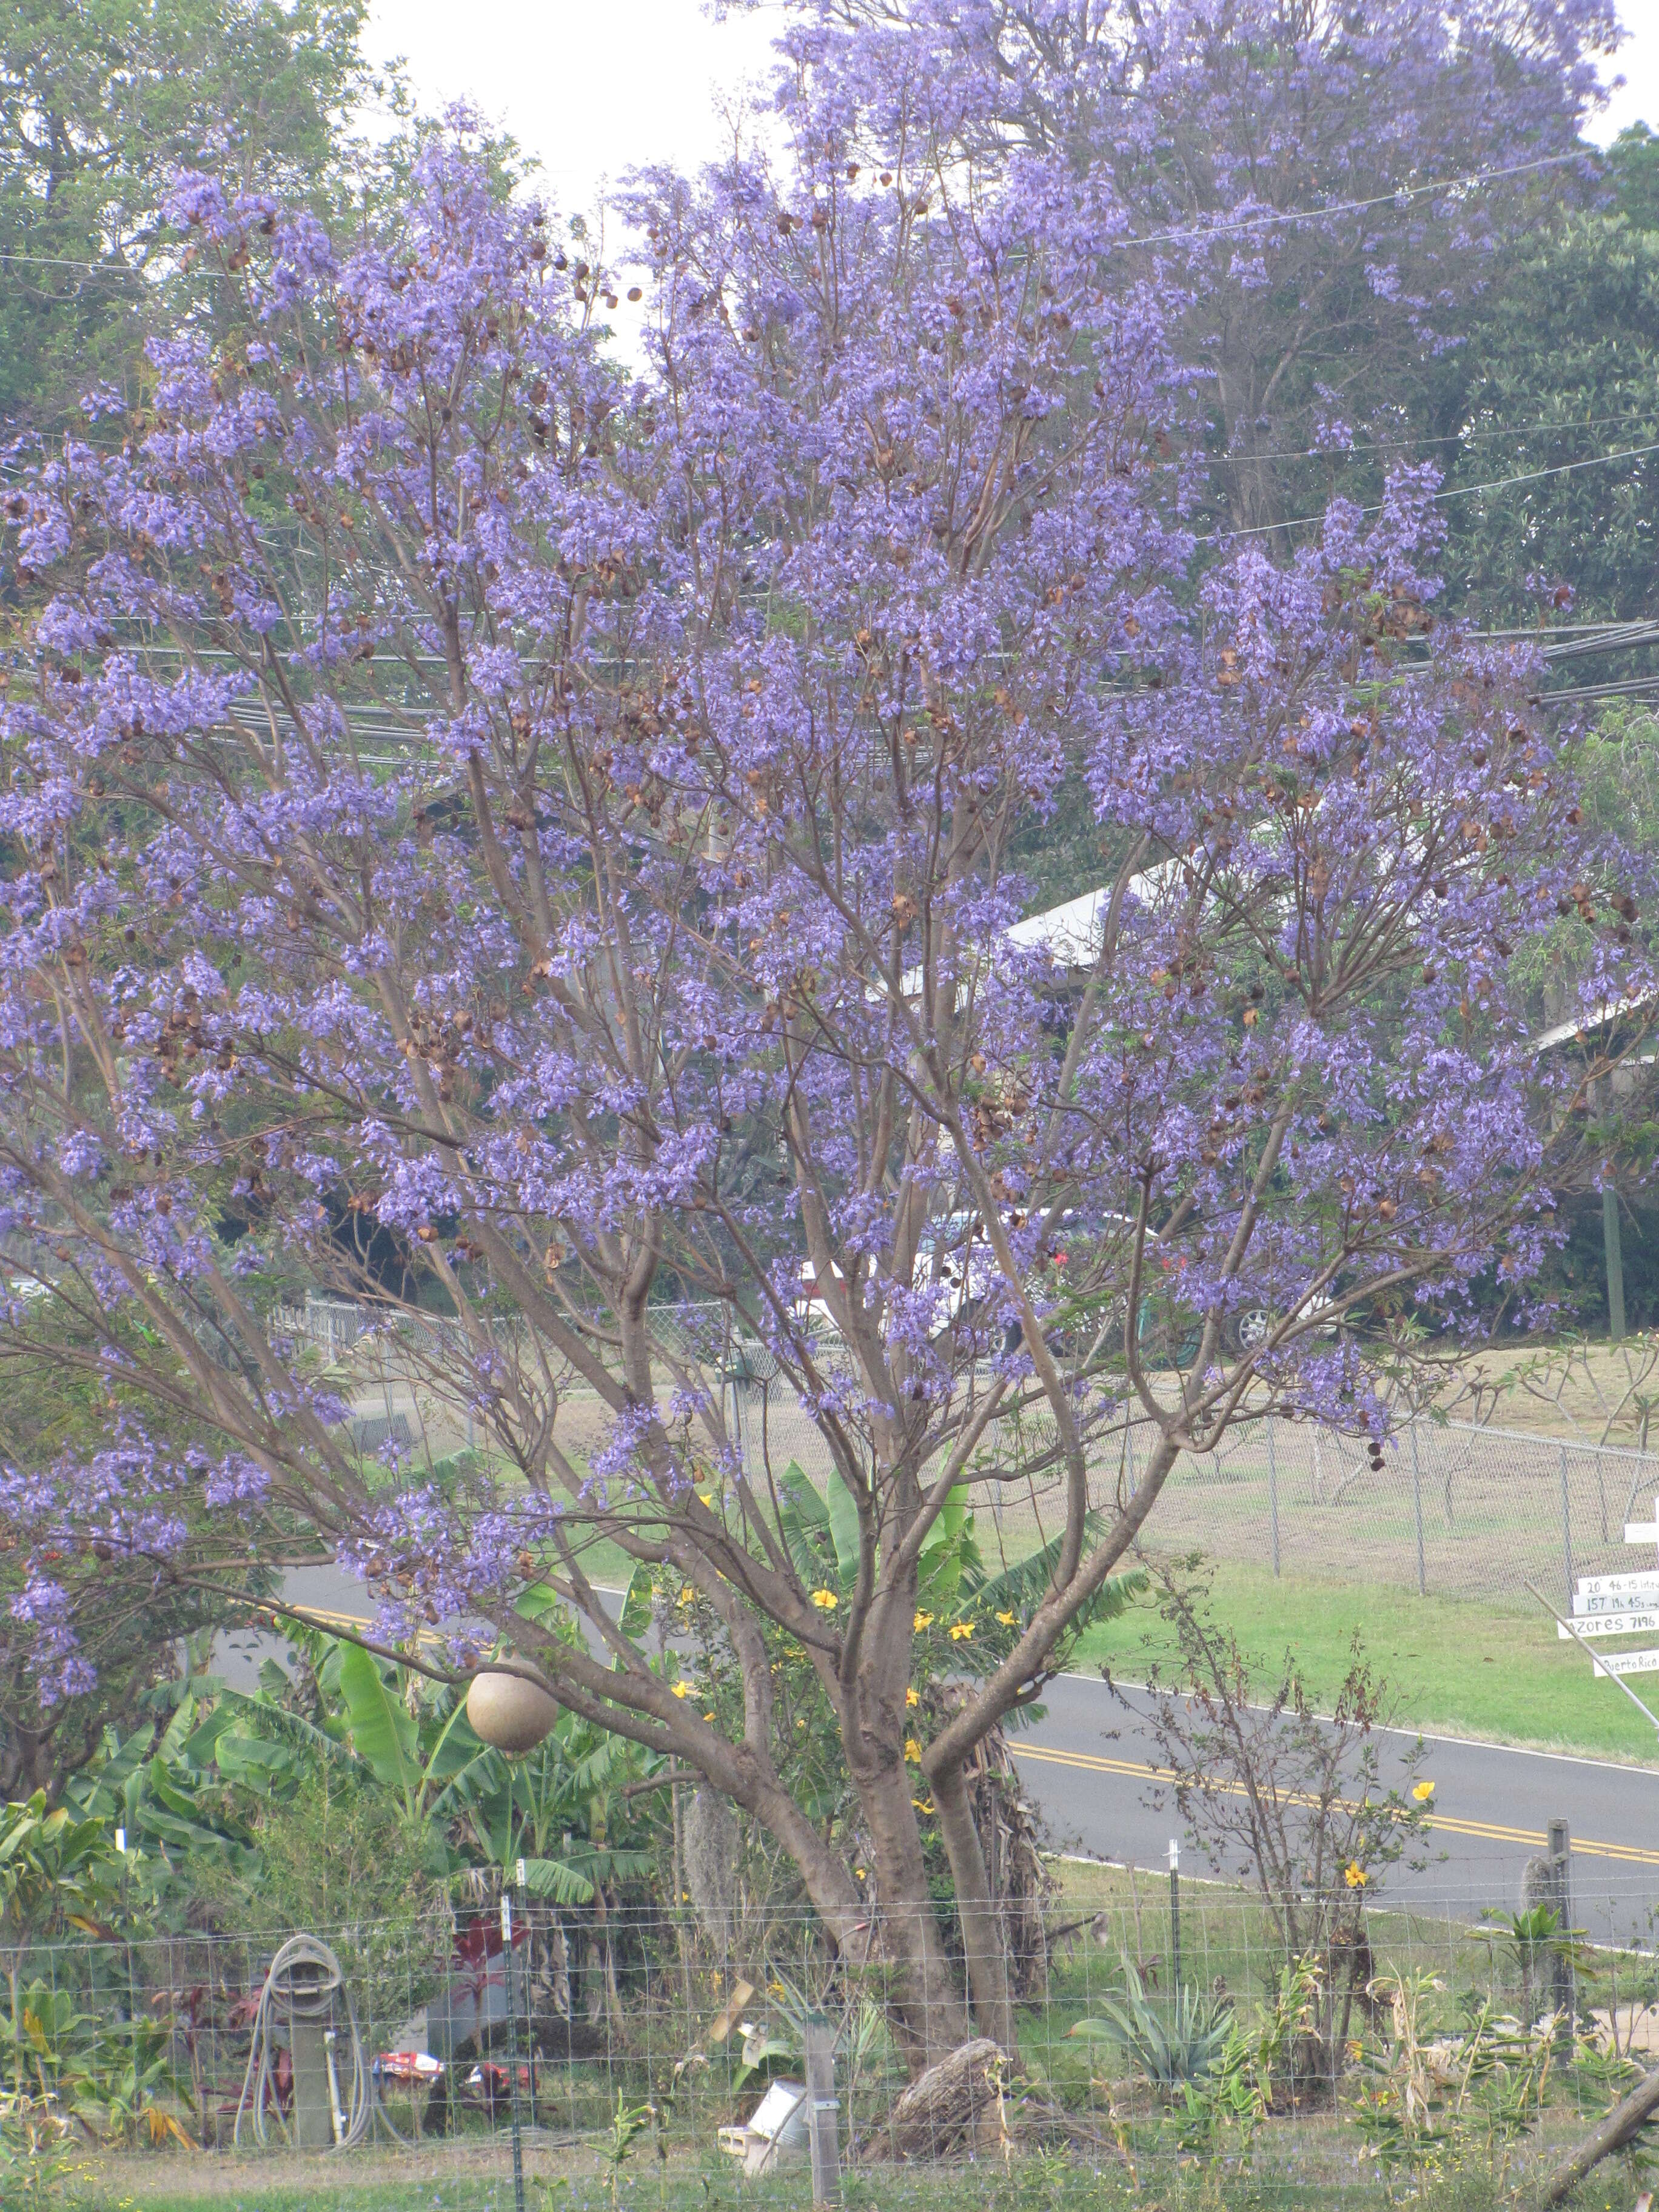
(1615, 1254)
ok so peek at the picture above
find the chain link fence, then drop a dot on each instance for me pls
(1458, 1510)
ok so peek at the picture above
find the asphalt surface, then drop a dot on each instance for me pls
(327, 1594)
(1091, 1768)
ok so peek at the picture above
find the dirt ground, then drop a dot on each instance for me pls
(1588, 1393)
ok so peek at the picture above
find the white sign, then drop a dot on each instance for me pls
(1619, 1605)
(1618, 1585)
(1642, 1600)
(1614, 1623)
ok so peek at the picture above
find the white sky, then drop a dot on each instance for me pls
(591, 88)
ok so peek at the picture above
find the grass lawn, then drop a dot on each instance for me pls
(1027, 2182)
(1457, 1667)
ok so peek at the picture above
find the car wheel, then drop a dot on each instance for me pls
(1250, 1328)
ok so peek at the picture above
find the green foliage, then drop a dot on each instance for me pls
(355, 1791)
(100, 101)
(56, 1872)
(564, 1808)
(37, 2156)
(1436, 2091)
(628, 2122)
(61, 2055)
(1532, 1944)
(1186, 2045)
(967, 1619)
(777, 2041)
(1562, 364)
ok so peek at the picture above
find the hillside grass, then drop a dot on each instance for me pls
(1457, 1667)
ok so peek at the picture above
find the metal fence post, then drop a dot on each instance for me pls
(1417, 1504)
(513, 2048)
(1566, 1527)
(1272, 1491)
(821, 2133)
(1174, 1919)
(1563, 1996)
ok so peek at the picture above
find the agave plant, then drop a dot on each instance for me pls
(779, 2040)
(1186, 2047)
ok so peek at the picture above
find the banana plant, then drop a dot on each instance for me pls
(562, 1809)
(968, 1620)
(58, 1868)
(170, 1794)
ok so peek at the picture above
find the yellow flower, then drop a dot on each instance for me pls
(708, 1717)
(705, 1497)
(683, 1689)
(961, 1631)
(1355, 1876)
(825, 1601)
(922, 1804)
(922, 1621)
(687, 1594)
(912, 1749)
(1423, 1792)
(913, 1698)
(1007, 1618)
(859, 1871)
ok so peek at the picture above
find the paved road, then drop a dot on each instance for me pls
(327, 1592)
(1092, 1767)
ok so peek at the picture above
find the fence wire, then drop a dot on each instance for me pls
(1460, 1510)
(1147, 2024)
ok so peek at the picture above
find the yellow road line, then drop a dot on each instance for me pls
(321, 1616)
(1482, 1831)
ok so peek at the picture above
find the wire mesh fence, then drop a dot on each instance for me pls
(1147, 2023)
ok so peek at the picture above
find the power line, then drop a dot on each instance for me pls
(1456, 491)
(1432, 438)
(110, 267)
(1400, 196)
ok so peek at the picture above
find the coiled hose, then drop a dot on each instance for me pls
(305, 1983)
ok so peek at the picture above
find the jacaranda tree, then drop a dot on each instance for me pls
(501, 835)
(1342, 184)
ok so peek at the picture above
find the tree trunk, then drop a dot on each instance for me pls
(983, 1934)
(1620, 2126)
(928, 2011)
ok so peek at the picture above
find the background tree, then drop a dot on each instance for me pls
(1561, 365)
(99, 104)
(582, 853)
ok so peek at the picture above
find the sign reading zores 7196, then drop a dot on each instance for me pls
(1619, 1605)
